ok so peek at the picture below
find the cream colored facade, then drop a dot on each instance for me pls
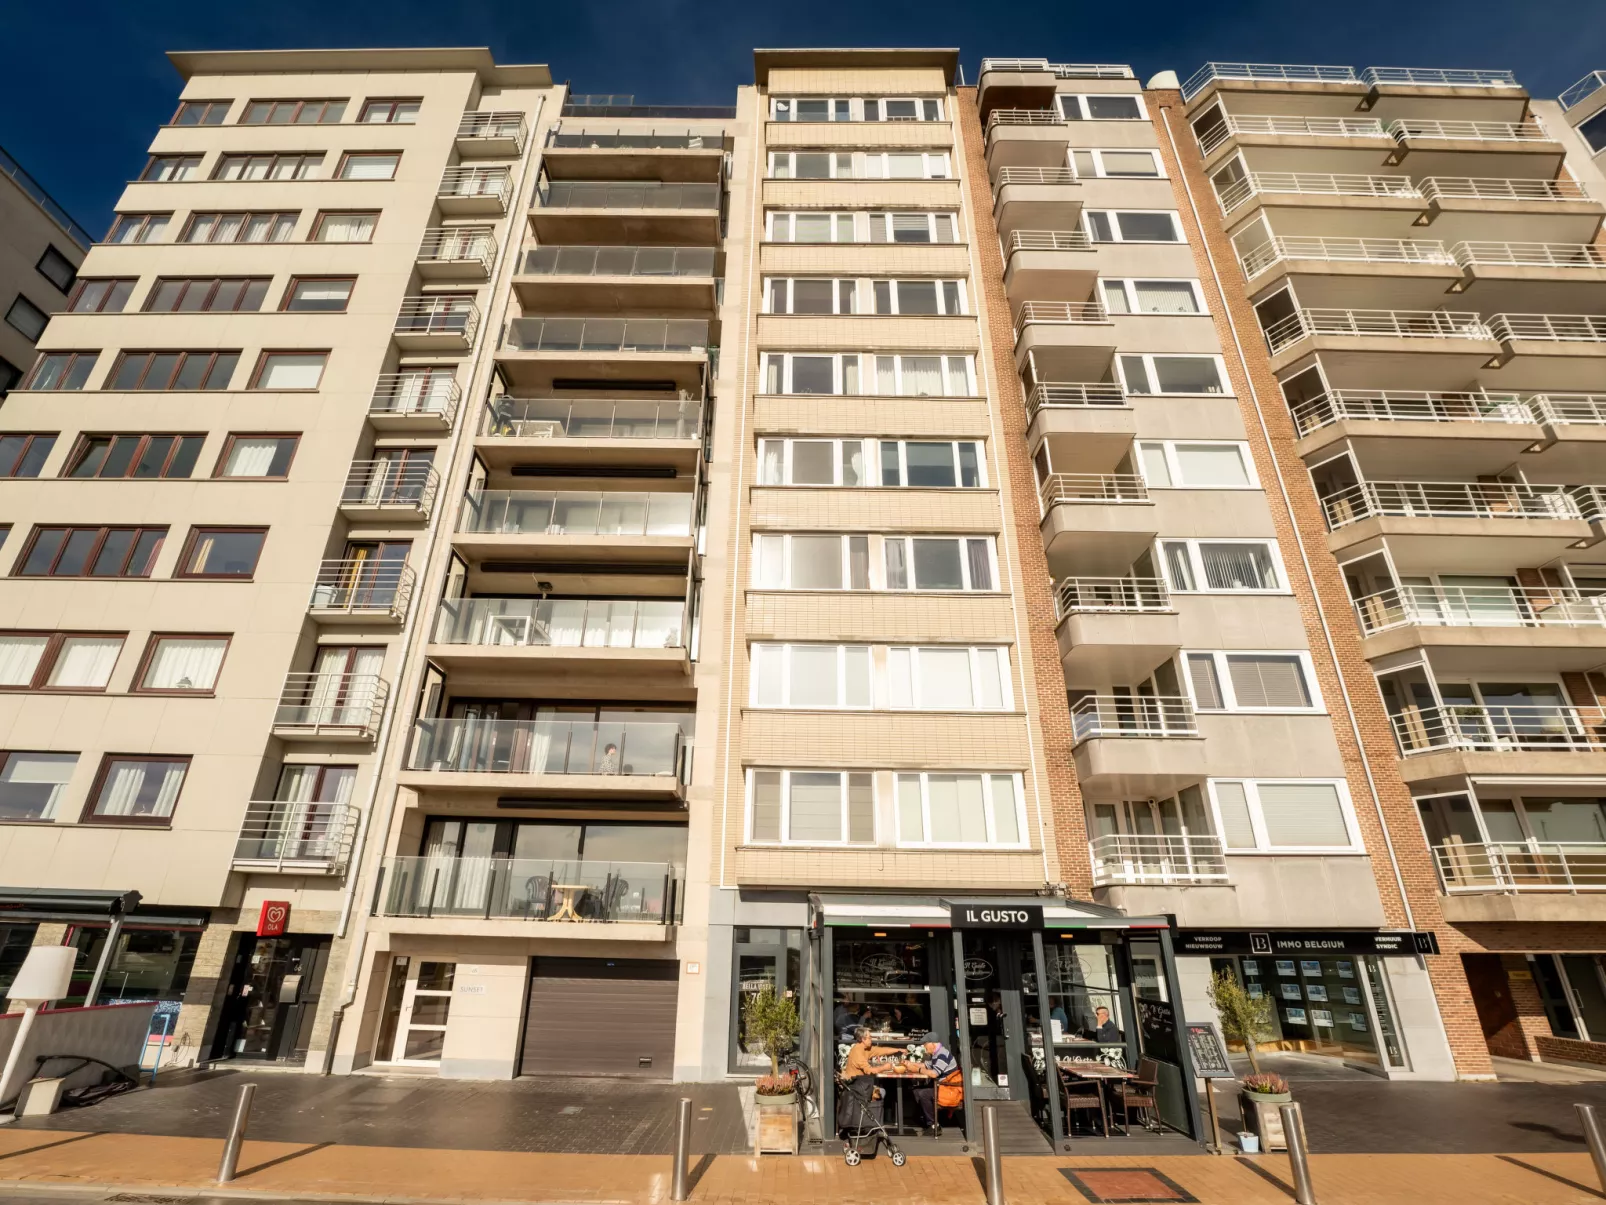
(40, 250)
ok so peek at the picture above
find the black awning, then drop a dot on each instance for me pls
(54, 903)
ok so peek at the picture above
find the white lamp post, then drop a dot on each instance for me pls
(46, 975)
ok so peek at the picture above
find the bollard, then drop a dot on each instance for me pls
(231, 1148)
(681, 1189)
(1597, 1143)
(995, 1169)
(1298, 1156)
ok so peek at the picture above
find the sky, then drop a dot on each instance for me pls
(86, 82)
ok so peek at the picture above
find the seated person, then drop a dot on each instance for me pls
(1104, 1026)
(844, 1021)
(857, 1107)
(947, 1091)
(862, 1051)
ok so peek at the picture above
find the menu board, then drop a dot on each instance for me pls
(1208, 1051)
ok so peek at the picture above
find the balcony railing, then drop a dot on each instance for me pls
(1121, 859)
(1402, 130)
(1059, 313)
(623, 104)
(363, 587)
(1397, 324)
(1583, 89)
(501, 124)
(1479, 607)
(1288, 73)
(1094, 488)
(1476, 188)
(446, 316)
(1409, 406)
(1452, 500)
(384, 484)
(1036, 175)
(529, 512)
(1439, 77)
(416, 395)
(1125, 595)
(618, 261)
(1521, 866)
(1343, 250)
(459, 245)
(561, 623)
(1049, 240)
(619, 140)
(300, 836)
(1549, 328)
(1023, 117)
(1529, 255)
(1561, 409)
(331, 704)
(586, 194)
(591, 418)
(532, 889)
(1529, 727)
(1325, 184)
(1289, 126)
(1060, 70)
(466, 182)
(615, 748)
(1074, 395)
(1132, 716)
(607, 334)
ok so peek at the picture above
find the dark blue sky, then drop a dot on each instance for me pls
(86, 82)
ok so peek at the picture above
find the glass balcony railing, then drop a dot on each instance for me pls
(588, 418)
(590, 194)
(618, 261)
(532, 512)
(587, 623)
(606, 334)
(532, 889)
(619, 140)
(609, 748)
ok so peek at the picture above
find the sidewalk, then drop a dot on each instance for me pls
(32, 1159)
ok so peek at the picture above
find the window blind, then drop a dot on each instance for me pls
(1237, 832)
(1268, 681)
(1303, 814)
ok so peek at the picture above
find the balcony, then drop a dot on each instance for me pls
(1132, 859)
(646, 528)
(1537, 866)
(1039, 197)
(1146, 745)
(602, 431)
(379, 491)
(361, 590)
(1487, 629)
(1023, 117)
(1114, 628)
(301, 837)
(1048, 265)
(1550, 328)
(483, 640)
(1504, 148)
(495, 134)
(602, 280)
(573, 758)
(1410, 406)
(665, 354)
(1377, 330)
(1393, 255)
(331, 706)
(1467, 434)
(1545, 272)
(1523, 203)
(1025, 138)
(457, 253)
(1458, 500)
(436, 323)
(632, 213)
(1098, 416)
(1066, 340)
(474, 190)
(1543, 728)
(1289, 131)
(1437, 77)
(1271, 73)
(414, 401)
(1099, 522)
(530, 889)
(1321, 187)
(1405, 131)
(1030, 83)
(1577, 94)
(591, 154)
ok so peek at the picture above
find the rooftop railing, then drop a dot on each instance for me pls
(1479, 607)
(1398, 324)
(1475, 188)
(623, 104)
(332, 704)
(1293, 127)
(1343, 250)
(1583, 89)
(1549, 328)
(401, 394)
(619, 140)
(576, 513)
(606, 334)
(593, 194)
(1036, 175)
(466, 182)
(1301, 73)
(1059, 313)
(1060, 70)
(1404, 129)
(1049, 240)
(1527, 727)
(1314, 184)
(533, 889)
(1521, 866)
(561, 623)
(1454, 500)
(363, 586)
(1149, 716)
(1124, 595)
(390, 484)
(618, 261)
(1410, 406)
(1529, 255)
(1094, 488)
(623, 748)
(1122, 859)
(1023, 117)
(430, 314)
(506, 123)
(591, 418)
(459, 245)
(45, 201)
(1452, 77)
(302, 836)
(1075, 395)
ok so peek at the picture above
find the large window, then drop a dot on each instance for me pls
(106, 295)
(319, 294)
(1128, 162)
(138, 227)
(90, 552)
(228, 553)
(257, 457)
(368, 165)
(812, 228)
(859, 165)
(835, 676)
(58, 660)
(913, 228)
(23, 454)
(142, 457)
(816, 227)
(173, 370)
(811, 295)
(919, 296)
(273, 226)
(137, 790)
(851, 373)
(181, 664)
(921, 464)
(31, 784)
(61, 370)
(827, 676)
(281, 165)
(1252, 681)
(811, 807)
(163, 169)
(344, 226)
(26, 318)
(1297, 814)
(1152, 296)
(396, 112)
(292, 112)
(1102, 106)
(864, 562)
(287, 370)
(207, 295)
(1151, 374)
(201, 113)
(811, 562)
(57, 269)
(1180, 464)
(1222, 566)
(961, 810)
(1132, 225)
(947, 679)
(939, 563)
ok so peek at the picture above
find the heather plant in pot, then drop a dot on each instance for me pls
(1266, 1085)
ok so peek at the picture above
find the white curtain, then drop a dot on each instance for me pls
(346, 228)
(282, 371)
(143, 788)
(48, 772)
(86, 661)
(250, 458)
(19, 658)
(180, 664)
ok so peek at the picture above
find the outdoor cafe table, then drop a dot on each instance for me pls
(896, 1091)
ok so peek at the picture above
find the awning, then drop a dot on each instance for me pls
(935, 912)
(49, 903)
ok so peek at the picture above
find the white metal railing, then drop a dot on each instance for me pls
(363, 586)
(1409, 406)
(1059, 313)
(1521, 866)
(1453, 77)
(1060, 70)
(408, 394)
(533, 889)
(458, 245)
(1343, 250)
(332, 704)
(1135, 858)
(1023, 117)
(1036, 175)
(576, 513)
(1549, 328)
(505, 123)
(1049, 240)
(1289, 73)
(437, 315)
(1453, 500)
(1529, 255)
(1290, 126)
(1403, 129)
(1075, 395)
(1527, 727)
(400, 484)
(591, 418)
(1583, 89)
(1399, 324)
(1126, 595)
(1479, 607)
(1093, 488)
(1328, 184)
(561, 623)
(1561, 409)
(1498, 188)
(305, 836)
(1132, 715)
(466, 182)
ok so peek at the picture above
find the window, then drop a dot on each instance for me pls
(1102, 107)
(919, 296)
(948, 679)
(1132, 226)
(1237, 566)
(138, 227)
(867, 462)
(61, 370)
(26, 318)
(888, 376)
(207, 295)
(225, 552)
(57, 269)
(176, 370)
(247, 227)
(58, 660)
(368, 165)
(1594, 131)
(1152, 297)
(106, 295)
(888, 108)
(23, 454)
(137, 790)
(811, 807)
(961, 809)
(181, 664)
(810, 675)
(811, 165)
(795, 108)
(810, 295)
(939, 563)
(811, 227)
(1300, 814)
(287, 370)
(292, 112)
(1128, 162)
(164, 169)
(321, 295)
(201, 113)
(811, 562)
(843, 108)
(91, 552)
(1252, 681)
(859, 165)
(143, 457)
(913, 228)
(257, 456)
(10, 374)
(31, 784)
(1171, 374)
(344, 227)
(282, 165)
(390, 112)
(1218, 464)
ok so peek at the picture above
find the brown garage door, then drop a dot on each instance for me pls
(601, 1016)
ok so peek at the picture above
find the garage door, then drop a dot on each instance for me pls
(601, 1016)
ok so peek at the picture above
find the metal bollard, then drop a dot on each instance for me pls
(231, 1148)
(995, 1168)
(681, 1188)
(1298, 1156)
(1592, 1135)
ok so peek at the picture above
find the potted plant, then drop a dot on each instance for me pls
(772, 1026)
(1244, 1018)
(1261, 1096)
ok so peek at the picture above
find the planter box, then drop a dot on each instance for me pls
(777, 1125)
(1260, 1115)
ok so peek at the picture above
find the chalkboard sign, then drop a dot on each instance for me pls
(1208, 1050)
(1157, 1021)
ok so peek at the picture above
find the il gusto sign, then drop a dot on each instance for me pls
(996, 916)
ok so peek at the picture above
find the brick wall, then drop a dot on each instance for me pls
(1572, 1050)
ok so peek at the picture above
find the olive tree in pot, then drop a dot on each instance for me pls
(772, 1025)
(1246, 1019)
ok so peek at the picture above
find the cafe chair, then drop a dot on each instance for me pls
(1138, 1095)
(1082, 1096)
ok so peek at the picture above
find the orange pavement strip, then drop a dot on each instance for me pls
(137, 1162)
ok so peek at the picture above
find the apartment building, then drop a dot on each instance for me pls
(41, 247)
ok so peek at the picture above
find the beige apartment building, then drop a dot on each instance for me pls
(41, 247)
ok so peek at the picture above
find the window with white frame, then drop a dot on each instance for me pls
(862, 677)
(855, 108)
(1285, 815)
(1152, 296)
(1216, 464)
(913, 228)
(810, 295)
(1252, 681)
(940, 562)
(1125, 163)
(811, 807)
(837, 295)
(31, 784)
(1102, 106)
(1222, 566)
(812, 227)
(1150, 374)
(811, 562)
(901, 108)
(947, 679)
(1132, 225)
(918, 464)
(961, 809)
(919, 296)
(859, 165)
(829, 676)
(848, 373)
(808, 561)
(811, 108)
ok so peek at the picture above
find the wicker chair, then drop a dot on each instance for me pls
(1138, 1094)
(1082, 1096)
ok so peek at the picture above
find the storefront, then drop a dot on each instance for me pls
(272, 997)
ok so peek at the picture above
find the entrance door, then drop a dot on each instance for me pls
(272, 997)
(995, 1004)
(418, 1001)
(601, 1016)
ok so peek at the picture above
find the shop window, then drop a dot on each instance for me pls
(147, 964)
(761, 958)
